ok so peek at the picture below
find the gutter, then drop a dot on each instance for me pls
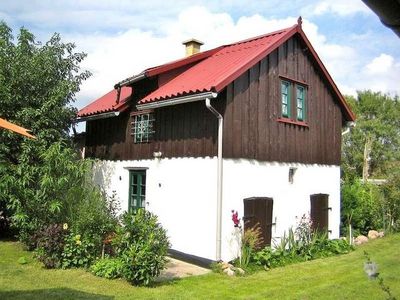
(130, 80)
(99, 116)
(349, 126)
(177, 100)
(219, 177)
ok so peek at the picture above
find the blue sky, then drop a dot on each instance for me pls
(124, 37)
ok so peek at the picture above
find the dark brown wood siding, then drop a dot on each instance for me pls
(253, 107)
(182, 130)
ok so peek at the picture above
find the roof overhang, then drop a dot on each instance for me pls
(177, 100)
(98, 116)
(388, 12)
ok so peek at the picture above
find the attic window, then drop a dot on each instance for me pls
(293, 95)
(142, 127)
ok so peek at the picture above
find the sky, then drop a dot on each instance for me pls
(124, 37)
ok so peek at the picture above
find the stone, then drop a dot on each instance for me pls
(229, 272)
(373, 234)
(381, 234)
(240, 271)
(361, 239)
(225, 265)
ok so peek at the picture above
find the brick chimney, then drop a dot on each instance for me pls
(192, 46)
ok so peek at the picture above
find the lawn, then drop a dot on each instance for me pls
(340, 277)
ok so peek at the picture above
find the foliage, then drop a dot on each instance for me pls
(78, 252)
(51, 245)
(365, 206)
(109, 268)
(64, 193)
(378, 119)
(38, 84)
(390, 203)
(142, 245)
(301, 244)
(250, 242)
(360, 207)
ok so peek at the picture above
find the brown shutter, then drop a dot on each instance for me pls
(319, 212)
(258, 211)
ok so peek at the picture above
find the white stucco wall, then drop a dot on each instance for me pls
(182, 192)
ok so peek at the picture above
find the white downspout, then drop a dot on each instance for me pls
(349, 126)
(219, 179)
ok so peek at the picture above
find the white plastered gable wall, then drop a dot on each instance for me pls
(182, 193)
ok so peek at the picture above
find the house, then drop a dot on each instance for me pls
(254, 127)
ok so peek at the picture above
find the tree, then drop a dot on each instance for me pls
(372, 149)
(38, 84)
(378, 128)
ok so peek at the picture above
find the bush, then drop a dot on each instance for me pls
(109, 268)
(142, 246)
(78, 252)
(50, 246)
(360, 207)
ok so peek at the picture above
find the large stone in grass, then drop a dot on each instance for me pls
(373, 234)
(229, 272)
(361, 239)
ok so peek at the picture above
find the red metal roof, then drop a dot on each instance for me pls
(224, 64)
(107, 103)
(212, 71)
(220, 68)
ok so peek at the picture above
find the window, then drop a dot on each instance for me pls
(143, 127)
(137, 189)
(300, 91)
(293, 94)
(285, 92)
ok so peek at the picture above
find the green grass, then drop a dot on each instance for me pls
(340, 277)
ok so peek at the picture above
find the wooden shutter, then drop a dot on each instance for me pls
(258, 211)
(320, 212)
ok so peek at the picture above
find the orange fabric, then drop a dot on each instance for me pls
(18, 129)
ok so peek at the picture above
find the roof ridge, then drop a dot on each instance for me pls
(260, 36)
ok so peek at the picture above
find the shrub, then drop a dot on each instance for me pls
(78, 252)
(51, 245)
(109, 268)
(142, 245)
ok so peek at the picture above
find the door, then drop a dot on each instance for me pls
(258, 211)
(137, 189)
(320, 212)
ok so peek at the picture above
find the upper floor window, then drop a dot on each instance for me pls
(285, 94)
(142, 128)
(293, 93)
(300, 97)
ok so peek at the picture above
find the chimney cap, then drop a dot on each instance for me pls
(192, 40)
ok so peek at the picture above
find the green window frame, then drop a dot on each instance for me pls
(300, 102)
(137, 190)
(285, 98)
(143, 127)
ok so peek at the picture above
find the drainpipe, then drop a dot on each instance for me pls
(219, 179)
(349, 125)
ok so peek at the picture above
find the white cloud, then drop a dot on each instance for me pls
(338, 7)
(380, 65)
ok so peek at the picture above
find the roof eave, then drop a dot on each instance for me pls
(177, 100)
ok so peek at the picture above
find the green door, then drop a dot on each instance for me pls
(137, 189)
